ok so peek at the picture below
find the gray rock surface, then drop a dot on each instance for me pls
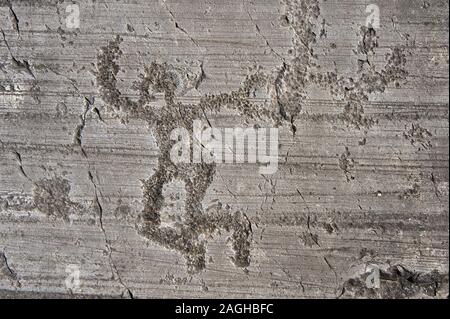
(92, 205)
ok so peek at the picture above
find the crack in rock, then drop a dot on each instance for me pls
(7, 271)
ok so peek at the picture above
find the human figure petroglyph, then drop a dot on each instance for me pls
(285, 92)
(197, 177)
